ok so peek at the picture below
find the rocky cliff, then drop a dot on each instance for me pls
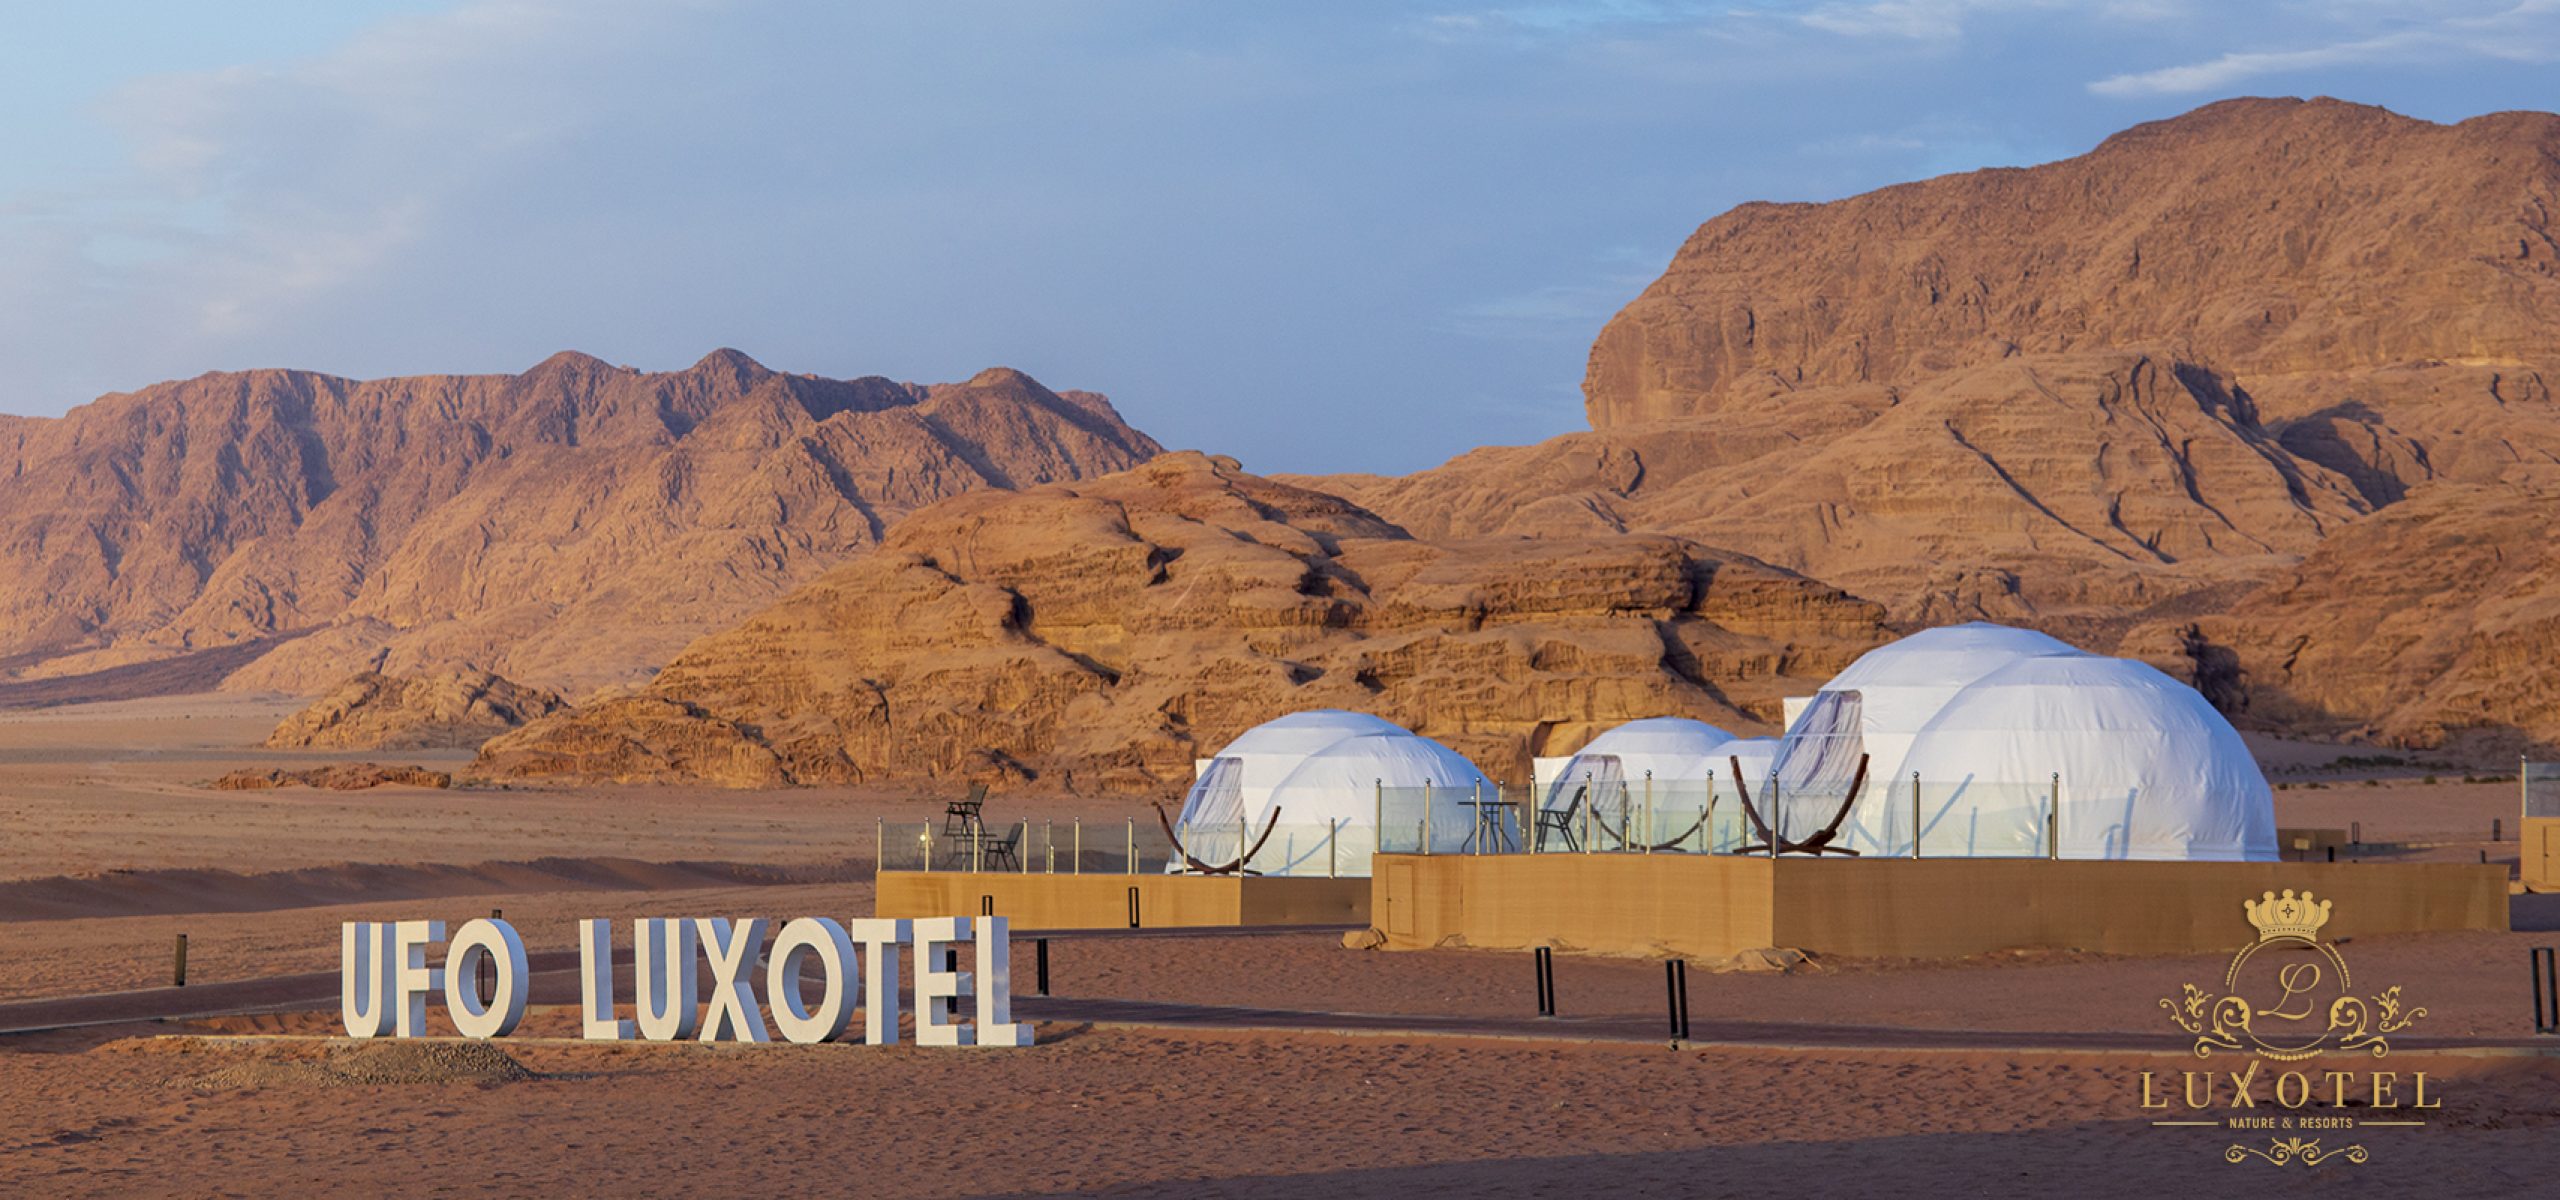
(1102, 634)
(2279, 370)
(569, 526)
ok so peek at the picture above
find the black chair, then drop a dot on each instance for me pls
(1004, 851)
(1560, 821)
(961, 817)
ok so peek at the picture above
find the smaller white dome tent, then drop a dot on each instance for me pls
(1341, 783)
(1630, 774)
(2149, 770)
(1673, 750)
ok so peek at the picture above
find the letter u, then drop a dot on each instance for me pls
(364, 977)
(662, 971)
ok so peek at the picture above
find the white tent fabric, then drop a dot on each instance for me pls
(1759, 757)
(1341, 783)
(1673, 750)
(2149, 770)
(1265, 754)
(1902, 684)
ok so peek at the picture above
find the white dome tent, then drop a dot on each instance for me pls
(2148, 769)
(1238, 782)
(1232, 800)
(1345, 785)
(1643, 769)
(1875, 708)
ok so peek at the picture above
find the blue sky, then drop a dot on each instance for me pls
(1318, 236)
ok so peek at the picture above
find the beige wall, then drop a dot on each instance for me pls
(1102, 901)
(1713, 907)
(2540, 852)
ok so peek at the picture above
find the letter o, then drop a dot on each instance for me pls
(2302, 1089)
(497, 942)
(799, 941)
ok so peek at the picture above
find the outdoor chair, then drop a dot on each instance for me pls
(960, 817)
(1560, 821)
(1004, 851)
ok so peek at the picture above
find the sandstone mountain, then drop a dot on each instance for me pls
(2279, 369)
(458, 709)
(570, 526)
(1104, 633)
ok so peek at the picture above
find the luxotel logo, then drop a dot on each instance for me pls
(2286, 999)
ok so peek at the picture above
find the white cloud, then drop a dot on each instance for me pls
(2527, 32)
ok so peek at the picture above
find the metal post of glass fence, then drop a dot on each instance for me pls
(1242, 853)
(1475, 826)
(1333, 848)
(1769, 799)
(2053, 823)
(1078, 833)
(1709, 824)
(1587, 802)
(1648, 812)
(925, 839)
(1133, 848)
(879, 847)
(1049, 843)
(1379, 830)
(1426, 816)
(977, 848)
(1022, 854)
(1915, 814)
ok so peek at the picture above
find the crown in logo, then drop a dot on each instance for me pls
(2288, 916)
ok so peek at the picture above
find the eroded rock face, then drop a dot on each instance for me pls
(457, 710)
(2258, 236)
(2279, 370)
(571, 526)
(1105, 633)
(634, 739)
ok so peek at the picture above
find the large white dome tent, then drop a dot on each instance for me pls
(2148, 769)
(1875, 708)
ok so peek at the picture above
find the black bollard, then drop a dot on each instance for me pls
(1133, 908)
(986, 906)
(179, 970)
(2546, 993)
(1043, 956)
(2333, 854)
(2497, 829)
(1544, 959)
(1675, 978)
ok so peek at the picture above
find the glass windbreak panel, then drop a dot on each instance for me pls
(1674, 816)
(906, 845)
(1307, 850)
(2542, 789)
(1984, 819)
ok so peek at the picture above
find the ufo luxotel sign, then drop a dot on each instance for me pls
(2286, 998)
(694, 978)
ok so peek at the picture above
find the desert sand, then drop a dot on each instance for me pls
(1806, 1082)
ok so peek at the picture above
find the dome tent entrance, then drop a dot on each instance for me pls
(2148, 770)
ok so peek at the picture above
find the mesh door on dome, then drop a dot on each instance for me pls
(1817, 763)
(1213, 812)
